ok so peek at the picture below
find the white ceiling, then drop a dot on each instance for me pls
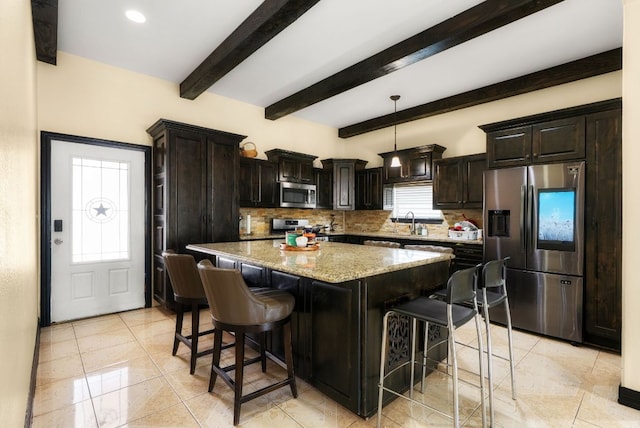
(332, 35)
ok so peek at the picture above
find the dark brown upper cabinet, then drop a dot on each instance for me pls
(458, 182)
(196, 192)
(324, 188)
(257, 183)
(369, 189)
(416, 164)
(344, 181)
(292, 166)
(546, 142)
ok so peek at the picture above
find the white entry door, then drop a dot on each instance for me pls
(97, 235)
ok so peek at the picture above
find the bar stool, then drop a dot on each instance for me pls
(461, 287)
(234, 308)
(187, 292)
(491, 293)
(388, 244)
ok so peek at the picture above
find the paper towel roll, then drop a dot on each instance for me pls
(248, 230)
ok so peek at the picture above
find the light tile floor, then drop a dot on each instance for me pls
(117, 370)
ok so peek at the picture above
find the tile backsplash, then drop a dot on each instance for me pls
(350, 221)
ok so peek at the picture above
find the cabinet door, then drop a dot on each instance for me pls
(306, 172)
(221, 211)
(363, 194)
(247, 182)
(267, 190)
(375, 188)
(447, 184)
(559, 140)
(509, 147)
(344, 197)
(419, 167)
(335, 340)
(472, 182)
(188, 195)
(603, 246)
(288, 169)
(324, 188)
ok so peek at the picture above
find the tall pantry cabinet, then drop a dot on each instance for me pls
(195, 192)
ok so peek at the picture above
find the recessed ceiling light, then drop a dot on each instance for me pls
(135, 16)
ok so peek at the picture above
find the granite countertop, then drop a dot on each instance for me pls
(334, 262)
(392, 236)
(381, 235)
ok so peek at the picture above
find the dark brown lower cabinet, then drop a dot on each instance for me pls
(603, 222)
(337, 328)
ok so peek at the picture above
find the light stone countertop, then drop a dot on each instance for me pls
(381, 235)
(334, 262)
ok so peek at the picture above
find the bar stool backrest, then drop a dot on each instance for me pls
(229, 297)
(461, 286)
(494, 273)
(184, 276)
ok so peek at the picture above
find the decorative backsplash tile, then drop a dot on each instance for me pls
(350, 221)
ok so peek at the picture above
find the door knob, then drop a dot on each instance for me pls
(57, 241)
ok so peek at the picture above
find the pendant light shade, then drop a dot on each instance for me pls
(395, 160)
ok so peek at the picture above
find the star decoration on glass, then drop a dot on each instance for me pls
(101, 210)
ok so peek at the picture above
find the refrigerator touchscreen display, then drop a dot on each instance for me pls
(556, 219)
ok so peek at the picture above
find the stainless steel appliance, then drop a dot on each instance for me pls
(297, 195)
(281, 225)
(535, 215)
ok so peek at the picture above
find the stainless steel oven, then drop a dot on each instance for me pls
(297, 195)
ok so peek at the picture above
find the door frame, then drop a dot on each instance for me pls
(45, 213)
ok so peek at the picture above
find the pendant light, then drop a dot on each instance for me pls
(395, 160)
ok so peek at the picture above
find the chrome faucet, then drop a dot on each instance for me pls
(412, 229)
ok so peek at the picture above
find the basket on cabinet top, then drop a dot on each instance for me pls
(248, 150)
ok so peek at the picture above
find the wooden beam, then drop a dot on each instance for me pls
(269, 19)
(474, 22)
(594, 65)
(44, 14)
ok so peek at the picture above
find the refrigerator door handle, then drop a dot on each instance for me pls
(530, 211)
(523, 196)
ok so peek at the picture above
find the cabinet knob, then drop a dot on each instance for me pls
(526, 156)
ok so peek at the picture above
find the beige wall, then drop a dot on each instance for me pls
(18, 219)
(458, 131)
(630, 200)
(87, 98)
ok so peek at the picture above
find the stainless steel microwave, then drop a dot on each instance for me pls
(297, 195)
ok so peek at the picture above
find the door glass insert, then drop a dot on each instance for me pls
(100, 210)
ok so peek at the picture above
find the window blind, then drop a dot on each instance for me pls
(415, 197)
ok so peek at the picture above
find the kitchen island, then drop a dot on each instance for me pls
(342, 292)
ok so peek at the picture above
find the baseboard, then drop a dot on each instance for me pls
(32, 382)
(629, 397)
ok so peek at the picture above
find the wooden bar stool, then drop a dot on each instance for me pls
(234, 308)
(188, 293)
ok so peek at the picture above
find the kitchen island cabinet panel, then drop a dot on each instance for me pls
(334, 336)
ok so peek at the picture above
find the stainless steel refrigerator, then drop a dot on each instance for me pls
(535, 215)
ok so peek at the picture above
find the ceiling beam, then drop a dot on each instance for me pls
(269, 19)
(44, 14)
(594, 65)
(471, 23)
